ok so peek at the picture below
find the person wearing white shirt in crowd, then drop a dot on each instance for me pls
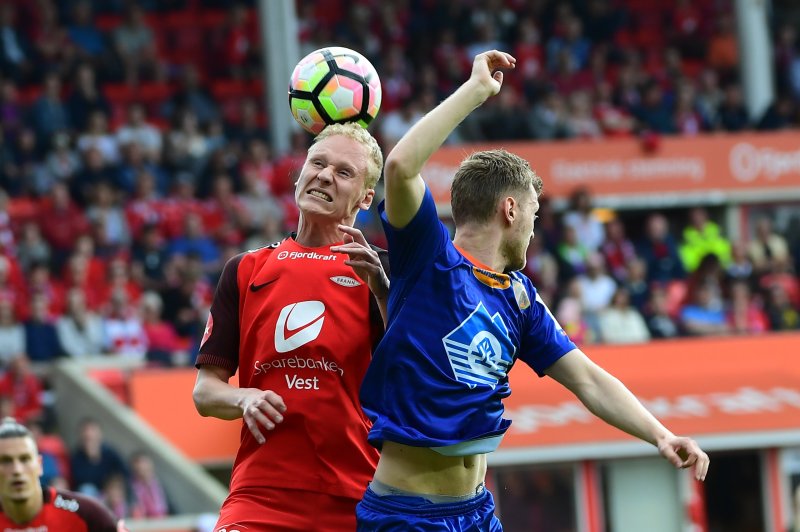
(122, 329)
(587, 225)
(137, 130)
(80, 330)
(620, 323)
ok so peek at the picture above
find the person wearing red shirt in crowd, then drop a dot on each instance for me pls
(62, 222)
(298, 320)
(28, 506)
(23, 388)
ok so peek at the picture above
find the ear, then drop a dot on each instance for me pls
(510, 209)
(366, 200)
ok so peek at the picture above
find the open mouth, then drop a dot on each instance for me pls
(321, 195)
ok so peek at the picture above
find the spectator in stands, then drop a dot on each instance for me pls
(740, 268)
(106, 212)
(745, 315)
(94, 461)
(83, 32)
(548, 118)
(779, 115)
(617, 250)
(149, 257)
(659, 321)
(123, 333)
(12, 333)
(767, 246)
(27, 161)
(54, 49)
(49, 114)
(24, 388)
(687, 120)
(620, 323)
(97, 136)
(709, 97)
(723, 51)
(149, 495)
(542, 268)
(136, 130)
(782, 315)
(782, 275)
(40, 281)
(636, 284)
(614, 120)
(584, 220)
(703, 316)
(659, 251)
(248, 128)
(733, 115)
(115, 496)
(15, 50)
(570, 315)
(597, 290)
(164, 346)
(239, 44)
(702, 237)
(196, 241)
(396, 123)
(571, 41)
(191, 96)
(581, 120)
(41, 339)
(653, 113)
(61, 163)
(134, 44)
(572, 255)
(62, 222)
(80, 331)
(186, 146)
(85, 98)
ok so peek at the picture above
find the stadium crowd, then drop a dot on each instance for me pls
(135, 160)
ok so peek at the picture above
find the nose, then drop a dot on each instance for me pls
(325, 175)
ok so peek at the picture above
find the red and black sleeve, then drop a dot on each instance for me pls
(220, 346)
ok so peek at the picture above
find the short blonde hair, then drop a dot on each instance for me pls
(359, 134)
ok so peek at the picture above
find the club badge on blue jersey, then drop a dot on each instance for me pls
(479, 349)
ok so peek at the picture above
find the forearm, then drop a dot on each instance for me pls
(412, 151)
(607, 398)
(216, 398)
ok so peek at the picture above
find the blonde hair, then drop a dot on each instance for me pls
(359, 134)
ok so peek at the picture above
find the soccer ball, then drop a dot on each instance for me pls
(332, 86)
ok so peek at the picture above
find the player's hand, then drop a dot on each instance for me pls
(261, 408)
(486, 69)
(683, 453)
(364, 260)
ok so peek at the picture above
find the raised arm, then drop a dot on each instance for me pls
(607, 398)
(404, 185)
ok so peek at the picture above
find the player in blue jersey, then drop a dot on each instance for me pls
(460, 316)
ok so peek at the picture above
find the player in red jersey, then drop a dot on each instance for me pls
(27, 507)
(298, 320)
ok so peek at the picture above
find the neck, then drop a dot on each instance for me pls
(481, 244)
(21, 512)
(315, 232)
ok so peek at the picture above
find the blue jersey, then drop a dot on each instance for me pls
(455, 329)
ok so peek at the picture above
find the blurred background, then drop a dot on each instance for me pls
(143, 143)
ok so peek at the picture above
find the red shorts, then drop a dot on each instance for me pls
(285, 510)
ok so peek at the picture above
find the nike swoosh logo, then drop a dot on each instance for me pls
(256, 287)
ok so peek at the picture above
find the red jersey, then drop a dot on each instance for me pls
(65, 510)
(299, 322)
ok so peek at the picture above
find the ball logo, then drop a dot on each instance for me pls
(282, 255)
(298, 324)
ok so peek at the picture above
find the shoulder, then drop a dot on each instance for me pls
(91, 511)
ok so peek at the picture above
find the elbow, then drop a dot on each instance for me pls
(199, 401)
(394, 168)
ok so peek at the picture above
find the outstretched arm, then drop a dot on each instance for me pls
(607, 398)
(404, 186)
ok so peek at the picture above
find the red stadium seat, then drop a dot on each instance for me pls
(115, 381)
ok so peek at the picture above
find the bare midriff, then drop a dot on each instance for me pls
(423, 470)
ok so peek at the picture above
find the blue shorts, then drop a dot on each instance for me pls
(389, 513)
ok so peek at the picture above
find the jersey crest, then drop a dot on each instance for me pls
(479, 349)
